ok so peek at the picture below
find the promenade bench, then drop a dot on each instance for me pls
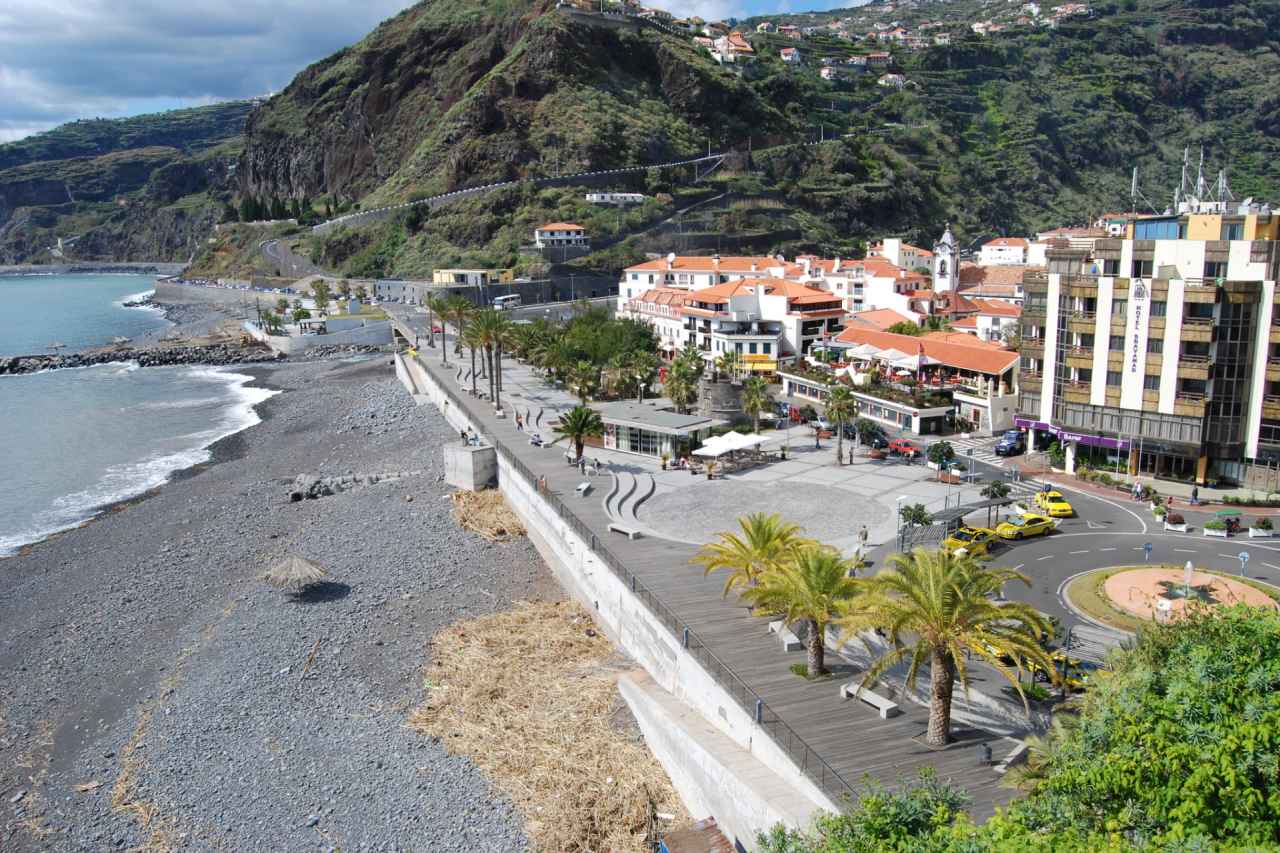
(625, 529)
(582, 489)
(886, 707)
(790, 642)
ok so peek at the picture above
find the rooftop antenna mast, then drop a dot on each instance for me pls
(1184, 183)
(1135, 194)
(1202, 189)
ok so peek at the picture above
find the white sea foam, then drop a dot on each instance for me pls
(124, 481)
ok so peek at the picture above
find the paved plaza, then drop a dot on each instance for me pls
(831, 502)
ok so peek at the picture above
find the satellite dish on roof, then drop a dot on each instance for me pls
(671, 257)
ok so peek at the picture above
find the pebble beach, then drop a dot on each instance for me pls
(157, 692)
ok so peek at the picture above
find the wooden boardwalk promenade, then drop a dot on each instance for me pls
(842, 735)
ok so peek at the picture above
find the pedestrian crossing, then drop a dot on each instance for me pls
(983, 450)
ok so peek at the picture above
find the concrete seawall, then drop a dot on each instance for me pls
(720, 759)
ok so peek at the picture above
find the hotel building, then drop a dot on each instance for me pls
(1160, 350)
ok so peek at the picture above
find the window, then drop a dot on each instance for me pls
(1141, 269)
(768, 349)
(1084, 374)
(1117, 343)
(1151, 382)
(1111, 267)
(1155, 346)
(1215, 269)
(1113, 378)
(1086, 341)
(1119, 307)
(1158, 309)
(1156, 229)
(751, 348)
(1232, 231)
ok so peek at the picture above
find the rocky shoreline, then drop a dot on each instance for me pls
(160, 696)
(160, 356)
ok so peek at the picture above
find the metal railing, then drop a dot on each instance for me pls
(826, 777)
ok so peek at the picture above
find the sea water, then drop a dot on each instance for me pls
(73, 441)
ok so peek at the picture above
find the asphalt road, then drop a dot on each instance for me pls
(1104, 533)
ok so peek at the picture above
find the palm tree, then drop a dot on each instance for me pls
(585, 378)
(728, 364)
(936, 607)
(756, 399)
(765, 542)
(493, 330)
(578, 424)
(842, 407)
(682, 381)
(811, 587)
(433, 303)
(455, 311)
(472, 338)
(640, 367)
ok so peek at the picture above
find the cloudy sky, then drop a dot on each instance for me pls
(67, 59)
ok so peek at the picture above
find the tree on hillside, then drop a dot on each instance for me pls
(812, 586)
(938, 608)
(765, 540)
(578, 424)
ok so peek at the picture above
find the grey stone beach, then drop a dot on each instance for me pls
(155, 690)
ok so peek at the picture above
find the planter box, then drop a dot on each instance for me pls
(1176, 528)
(1219, 533)
(933, 466)
(1255, 533)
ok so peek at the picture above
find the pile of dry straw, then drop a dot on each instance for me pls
(486, 513)
(530, 696)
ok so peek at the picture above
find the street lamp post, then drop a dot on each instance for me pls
(898, 513)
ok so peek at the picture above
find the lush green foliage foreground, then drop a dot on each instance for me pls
(1179, 749)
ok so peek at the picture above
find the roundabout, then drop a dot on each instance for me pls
(1126, 597)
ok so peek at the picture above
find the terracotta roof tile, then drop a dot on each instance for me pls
(560, 226)
(879, 318)
(962, 356)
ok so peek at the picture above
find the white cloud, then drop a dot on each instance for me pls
(67, 59)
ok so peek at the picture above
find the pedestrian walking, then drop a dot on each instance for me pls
(462, 433)
(519, 423)
(1195, 496)
(1137, 489)
(862, 537)
(582, 465)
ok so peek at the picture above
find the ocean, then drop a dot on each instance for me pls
(74, 441)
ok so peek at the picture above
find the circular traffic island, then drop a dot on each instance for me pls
(1128, 597)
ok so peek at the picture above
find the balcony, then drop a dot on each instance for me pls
(1273, 370)
(1030, 379)
(1271, 407)
(1083, 321)
(1033, 347)
(1079, 357)
(1076, 392)
(1189, 403)
(1193, 366)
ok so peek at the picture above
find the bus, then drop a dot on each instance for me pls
(506, 303)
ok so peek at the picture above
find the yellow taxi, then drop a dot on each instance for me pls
(974, 541)
(1054, 504)
(1024, 526)
(1076, 674)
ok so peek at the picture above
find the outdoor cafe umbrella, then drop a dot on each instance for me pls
(713, 446)
(864, 352)
(890, 355)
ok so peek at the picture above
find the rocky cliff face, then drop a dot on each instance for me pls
(447, 94)
(143, 188)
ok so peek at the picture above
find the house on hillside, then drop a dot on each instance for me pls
(790, 55)
(880, 59)
(560, 235)
(765, 27)
(892, 81)
(789, 31)
(733, 48)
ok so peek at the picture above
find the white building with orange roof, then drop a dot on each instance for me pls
(1004, 251)
(871, 283)
(903, 254)
(693, 272)
(662, 308)
(557, 235)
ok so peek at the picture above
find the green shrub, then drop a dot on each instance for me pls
(1215, 524)
(1262, 523)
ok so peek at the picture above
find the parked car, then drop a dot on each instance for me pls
(820, 423)
(1054, 504)
(1025, 526)
(1012, 443)
(975, 541)
(904, 447)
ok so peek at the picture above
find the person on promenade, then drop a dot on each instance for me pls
(519, 423)
(862, 538)
(1195, 496)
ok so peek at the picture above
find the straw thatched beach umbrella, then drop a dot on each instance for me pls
(295, 574)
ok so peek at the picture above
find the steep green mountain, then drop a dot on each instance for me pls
(142, 188)
(1027, 128)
